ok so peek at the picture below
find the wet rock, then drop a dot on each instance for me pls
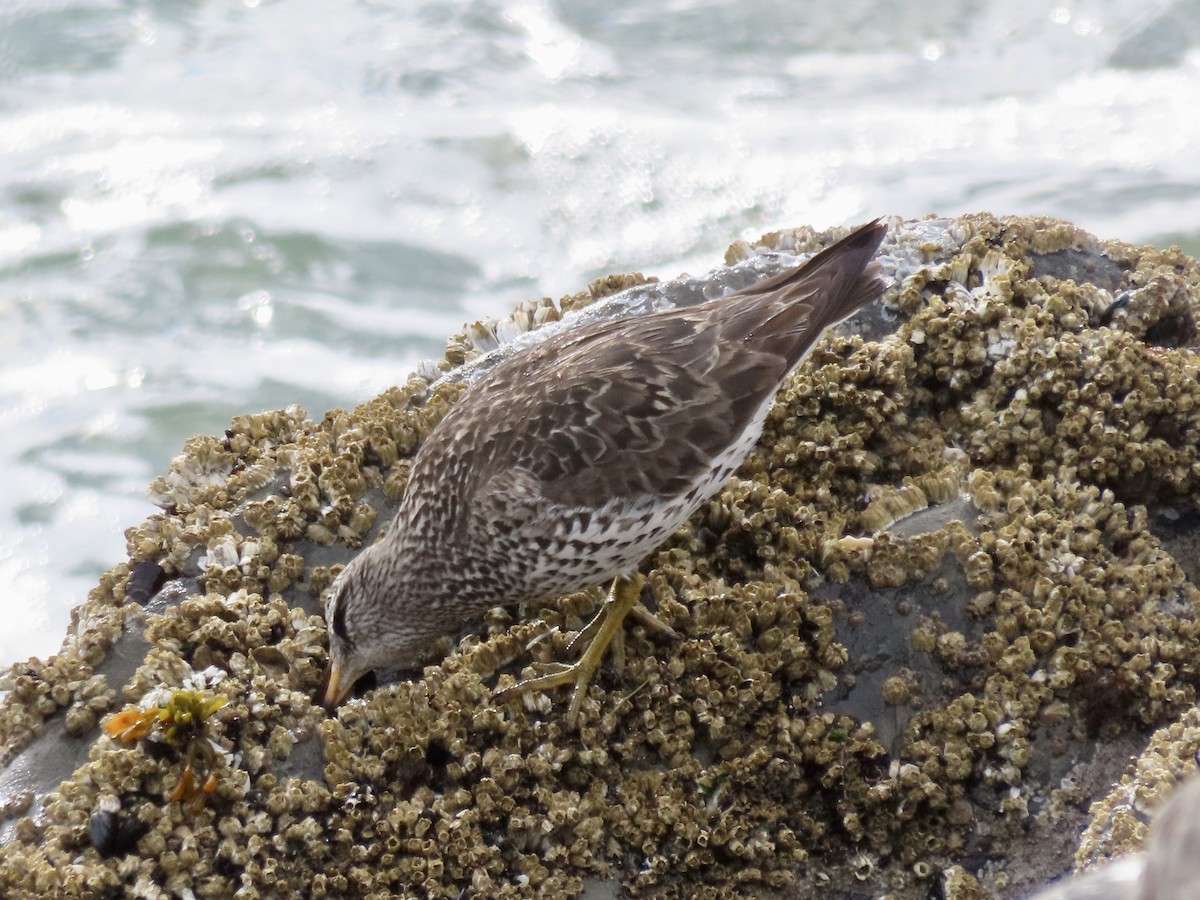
(919, 632)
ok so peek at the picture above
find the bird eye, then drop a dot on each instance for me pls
(339, 617)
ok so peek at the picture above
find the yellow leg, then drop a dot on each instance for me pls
(636, 612)
(604, 628)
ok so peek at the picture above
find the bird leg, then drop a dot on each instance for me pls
(600, 632)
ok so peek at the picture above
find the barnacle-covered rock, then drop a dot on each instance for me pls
(917, 634)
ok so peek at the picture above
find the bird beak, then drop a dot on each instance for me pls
(336, 688)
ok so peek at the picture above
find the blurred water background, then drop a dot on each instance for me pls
(210, 207)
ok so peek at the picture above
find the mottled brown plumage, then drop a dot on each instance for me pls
(570, 461)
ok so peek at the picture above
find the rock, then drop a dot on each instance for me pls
(921, 631)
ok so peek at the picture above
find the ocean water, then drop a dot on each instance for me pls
(210, 207)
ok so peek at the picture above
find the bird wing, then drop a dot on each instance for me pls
(638, 409)
(632, 409)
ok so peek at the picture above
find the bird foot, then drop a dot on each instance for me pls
(637, 612)
(602, 631)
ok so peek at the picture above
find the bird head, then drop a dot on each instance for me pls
(365, 611)
(346, 660)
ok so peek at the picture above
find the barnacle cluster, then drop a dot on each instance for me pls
(1120, 820)
(951, 569)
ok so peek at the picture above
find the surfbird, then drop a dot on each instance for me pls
(572, 460)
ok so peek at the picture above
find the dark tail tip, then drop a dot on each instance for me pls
(860, 244)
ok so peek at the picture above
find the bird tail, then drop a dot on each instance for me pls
(785, 314)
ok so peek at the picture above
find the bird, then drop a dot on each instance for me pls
(569, 462)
